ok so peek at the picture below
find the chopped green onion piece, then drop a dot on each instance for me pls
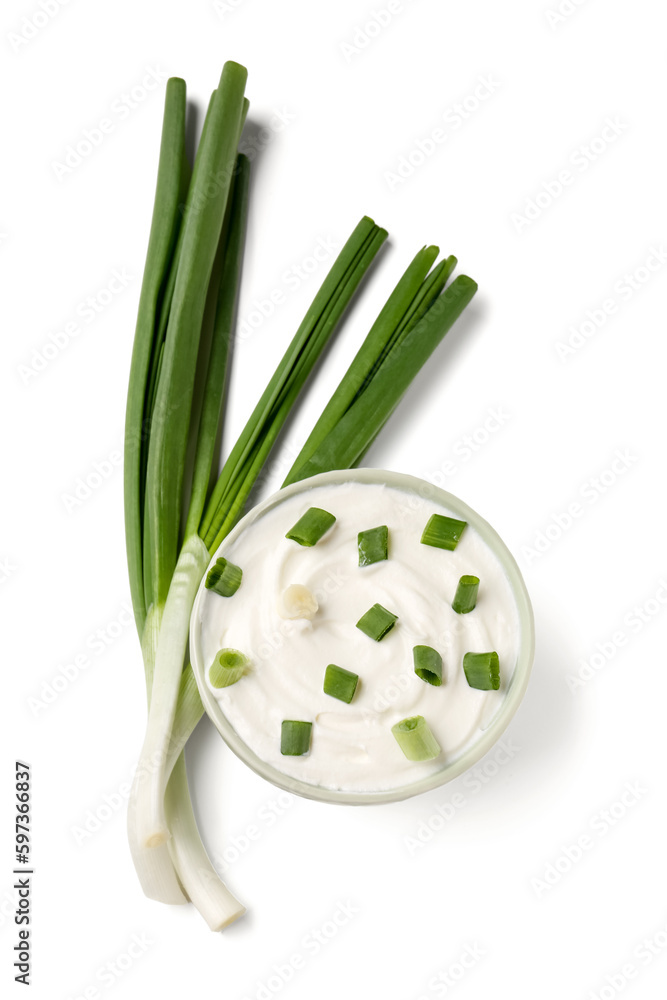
(465, 598)
(428, 664)
(224, 578)
(296, 601)
(377, 622)
(295, 738)
(340, 683)
(482, 671)
(443, 532)
(309, 529)
(416, 739)
(373, 545)
(227, 668)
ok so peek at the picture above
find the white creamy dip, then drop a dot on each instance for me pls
(352, 745)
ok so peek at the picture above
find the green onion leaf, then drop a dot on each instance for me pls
(443, 532)
(428, 293)
(340, 683)
(295, 738)
(340, 442)
(202, 224)
(416, 739)
(373, 545)
(228, 667)
(252, 448)
(228, 281)
(482, 671)
(377, 622)
(188, 178)
(224, 578)
(465, 598)
(163, 235)
(428, 664)
(379, 339)
(309, 529)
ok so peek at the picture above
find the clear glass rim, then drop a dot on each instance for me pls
(516, 689)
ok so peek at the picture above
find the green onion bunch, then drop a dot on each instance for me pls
(177, 382)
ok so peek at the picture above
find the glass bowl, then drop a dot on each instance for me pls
(423, 490)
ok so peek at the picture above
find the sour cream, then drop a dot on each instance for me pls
(353, 748)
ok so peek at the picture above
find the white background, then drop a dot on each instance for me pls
(478, 883)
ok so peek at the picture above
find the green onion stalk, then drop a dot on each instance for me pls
(155, 869)
(184, 243)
